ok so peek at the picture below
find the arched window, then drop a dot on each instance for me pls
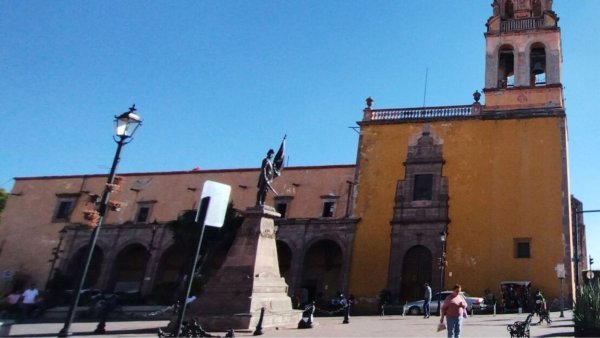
(506, 67)
(537, 65)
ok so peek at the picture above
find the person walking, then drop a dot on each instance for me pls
(28, 301)
(13, 300)
(427, 302)
(540, 302)
(453, 309)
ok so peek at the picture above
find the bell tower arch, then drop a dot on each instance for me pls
(523, 56)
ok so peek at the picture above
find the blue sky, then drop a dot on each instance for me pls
(219, 82)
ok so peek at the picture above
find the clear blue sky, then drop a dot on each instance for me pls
(219, 82)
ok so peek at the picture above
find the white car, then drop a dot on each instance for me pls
(416, 307)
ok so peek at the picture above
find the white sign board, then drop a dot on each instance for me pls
(219, 199)
(560, 270)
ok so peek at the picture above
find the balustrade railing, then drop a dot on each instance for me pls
(521, 24)
(419, 113)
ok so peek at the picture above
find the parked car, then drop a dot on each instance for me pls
(416, 307)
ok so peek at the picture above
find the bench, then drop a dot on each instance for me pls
(520, 328)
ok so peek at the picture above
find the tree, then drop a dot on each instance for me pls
(3, 197)
(216, 242)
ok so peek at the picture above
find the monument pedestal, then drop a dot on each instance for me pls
(247, 281)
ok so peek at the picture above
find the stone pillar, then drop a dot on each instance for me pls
(553, 67)
(522, 73)
(248, 280)
(491, 71)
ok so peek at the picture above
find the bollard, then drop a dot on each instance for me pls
(101, 328)
(259, 331)
(494, 309)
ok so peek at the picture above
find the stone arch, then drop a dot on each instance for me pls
(322, 269)
(128, 268)
(132, 241)
(416, 271)
(326, 237)
(167, 276)
(170, 265)
(537, 64)
(506, 66)
(284, 257)
(77, 263)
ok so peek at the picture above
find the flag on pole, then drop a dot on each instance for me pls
(279, 157)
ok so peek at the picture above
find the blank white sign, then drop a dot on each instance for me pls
(219, 199)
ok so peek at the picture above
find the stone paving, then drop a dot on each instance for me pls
(360, 326)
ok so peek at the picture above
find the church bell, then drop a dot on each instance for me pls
(538, 68)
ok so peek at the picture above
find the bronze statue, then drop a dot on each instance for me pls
(269, 170)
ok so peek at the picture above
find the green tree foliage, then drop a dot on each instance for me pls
(587, 310)
(215, 243)
(3, 197)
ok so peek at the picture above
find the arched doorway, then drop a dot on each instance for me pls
(130, 265)
(284, 257)
(322, 270)
(167, 277)
(171, 263)
(77, 264)
(416, 271)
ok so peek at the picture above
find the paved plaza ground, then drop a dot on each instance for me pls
(360, 326)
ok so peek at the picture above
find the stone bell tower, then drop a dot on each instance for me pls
(523, 56)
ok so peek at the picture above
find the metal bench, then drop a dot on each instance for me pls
(520, 328)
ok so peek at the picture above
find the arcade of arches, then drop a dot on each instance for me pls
(313, 258)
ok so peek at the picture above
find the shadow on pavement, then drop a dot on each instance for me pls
(149, 331)
(558, 334)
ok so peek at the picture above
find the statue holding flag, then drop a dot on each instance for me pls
(269, 170)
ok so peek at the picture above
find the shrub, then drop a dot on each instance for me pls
(587, 310)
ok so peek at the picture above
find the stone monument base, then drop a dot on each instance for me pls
(248, 281)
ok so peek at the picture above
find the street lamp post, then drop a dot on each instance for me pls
(576, 257)
(442, 266)
(125, 126)
(560, 273)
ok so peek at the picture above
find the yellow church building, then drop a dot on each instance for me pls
(476, 194)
